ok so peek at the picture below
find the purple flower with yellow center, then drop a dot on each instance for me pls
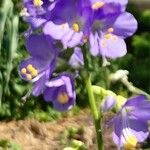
(36, 12)
(110, 29)
(75, 28)
(39, 67)
(69, 23)
(61, 92)
(131, 123)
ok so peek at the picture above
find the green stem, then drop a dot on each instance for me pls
(95, 113)
(6, 5)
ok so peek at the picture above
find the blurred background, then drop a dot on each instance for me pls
(12, 51)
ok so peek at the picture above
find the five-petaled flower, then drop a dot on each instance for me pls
(61, 92)
(131, 122)
(39, 67)
(36, 12)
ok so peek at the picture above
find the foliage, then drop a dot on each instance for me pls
(73, 137)
(5, 144)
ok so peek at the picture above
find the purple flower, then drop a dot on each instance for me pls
(36, 12)
(60, 91)
(76, 59)
(69, 23)
(94, 20)
(131, 122)
(40, 65)
(109, 30)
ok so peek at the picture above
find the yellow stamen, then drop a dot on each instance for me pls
(108, 36)
(23, 71)
(131, 143)
(29, 77)
(97, 5)
(75, 27)
(110, 30)
(38, 3)
(34, 73)
(63, 98)
(30, 68)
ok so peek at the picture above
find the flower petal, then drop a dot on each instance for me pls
(118, 127)
(50, 94)
(41, 46)
(113, 47)
(136, 101)
(56, 31)
(75, 40)
(125, 25)
(123, 3)
(35, 22)
(139, 129)
(94, 46)
(76, 60)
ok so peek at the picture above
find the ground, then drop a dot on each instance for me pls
(34, 135)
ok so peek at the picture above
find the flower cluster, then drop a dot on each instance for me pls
(102, 25)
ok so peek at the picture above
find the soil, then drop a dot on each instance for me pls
(34, 135)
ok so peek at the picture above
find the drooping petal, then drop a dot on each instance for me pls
(117, 132)
(76, 60)
(125, 25)
(94, 46)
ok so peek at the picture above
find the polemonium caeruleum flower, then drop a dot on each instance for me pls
(61, 92)
(67, 23)
(109, 31)
(40, 65)
(71, 20)
(37, 12)
(131, 122)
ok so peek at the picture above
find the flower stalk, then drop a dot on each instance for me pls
(95, 113)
